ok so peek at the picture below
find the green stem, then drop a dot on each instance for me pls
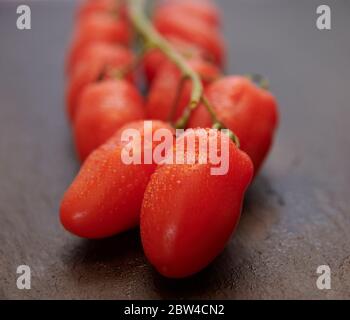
(154, 39)
(217, 124)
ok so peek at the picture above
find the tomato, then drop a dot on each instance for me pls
(99, 58)
(97, 28)
(164, 95)
(203, 10)
(103, 108)
(154, 59)
(188, 214)
(105, 198)
(194, 31)
(91, 7)
(200, 12)
(102, 52)
(249, 111)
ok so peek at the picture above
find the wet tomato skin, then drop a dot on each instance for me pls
(103, 58)
(249, 111)
(105, 197)
(188, 215)
(164, 94)
(103, 108)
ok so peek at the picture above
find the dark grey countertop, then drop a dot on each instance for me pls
(297, 213)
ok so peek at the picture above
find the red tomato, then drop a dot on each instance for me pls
(194, 31)
(103, 108)
(188, 214)
(99, 58)
(163, 94)
(203, 10)
(106, 53)
(154, 59)
(97, 28)
(105, 198)
(250, 112)
(90, 7)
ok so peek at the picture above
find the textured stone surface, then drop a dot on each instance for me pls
(296, 215)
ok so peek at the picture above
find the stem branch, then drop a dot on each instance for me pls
(217, 124)
(154, 39)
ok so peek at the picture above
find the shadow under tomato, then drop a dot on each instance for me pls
(121, 258)
(261, 211)
(204, 285)
(235, 264)
(98, 259)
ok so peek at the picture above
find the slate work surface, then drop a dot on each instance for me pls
(296, 215)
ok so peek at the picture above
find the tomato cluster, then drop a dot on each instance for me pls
(186, 215)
